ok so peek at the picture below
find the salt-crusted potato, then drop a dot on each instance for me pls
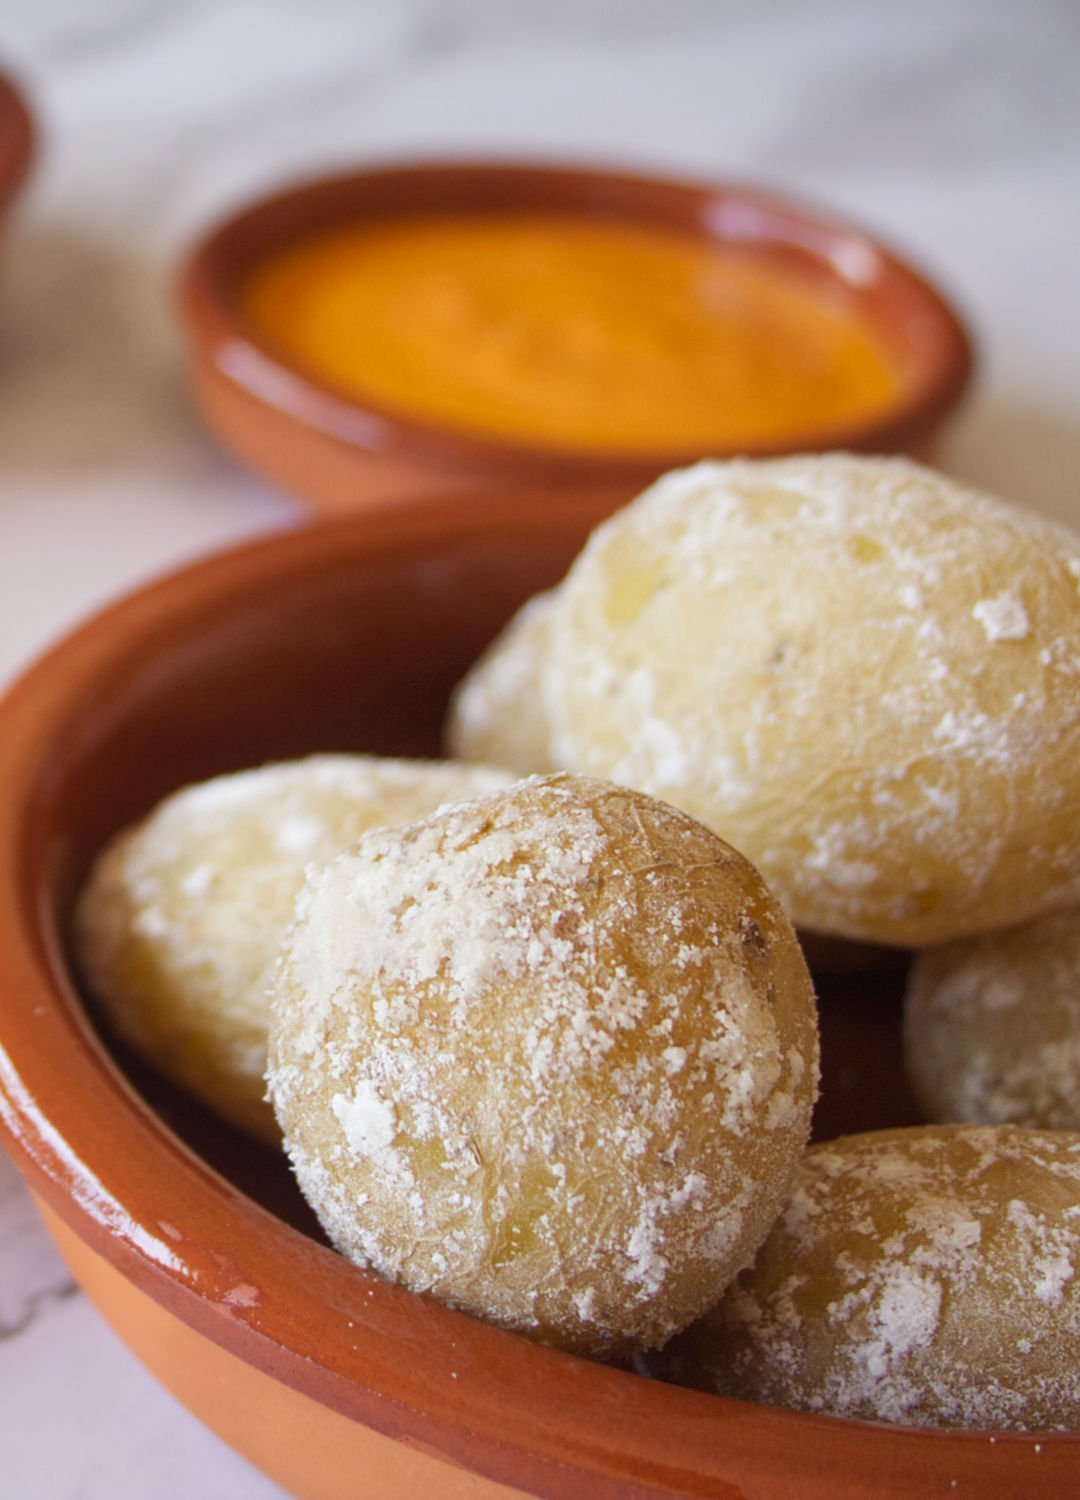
(925, 1277)
(179, 924)
(496, 714)
(861, 674)
(992, 1026)
(549, 1057)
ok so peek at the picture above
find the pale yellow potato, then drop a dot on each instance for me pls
(861, 674)
(928, 1276)
(548, 1057)
(179, 925)
(992, 1026)
(496, 714)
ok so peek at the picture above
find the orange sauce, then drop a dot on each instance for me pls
(571, 332)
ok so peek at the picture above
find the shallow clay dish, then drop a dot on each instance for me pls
(194, 1243)
(325, 447)
(16, 141)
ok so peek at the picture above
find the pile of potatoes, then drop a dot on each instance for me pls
(545, 1048)
(867, 678)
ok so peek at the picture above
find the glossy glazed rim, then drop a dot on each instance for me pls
(730, 212)
(17, 139)
(525, 1416)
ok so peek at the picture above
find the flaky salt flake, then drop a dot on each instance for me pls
(1003, 618)
(198, 881)
(368, 1121)
(648, 1263)
(151, 923)
(585, 1302)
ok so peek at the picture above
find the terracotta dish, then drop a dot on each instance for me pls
(337, 451)
(193, 1243)
(16, 141)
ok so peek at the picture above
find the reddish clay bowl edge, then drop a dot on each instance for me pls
(184, 677)
(17, 140)
(311, 436)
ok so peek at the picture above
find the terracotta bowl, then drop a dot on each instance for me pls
(193, 1242)
(16, 141)
(325, 448)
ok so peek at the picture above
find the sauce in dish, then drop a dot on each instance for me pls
(571, 332)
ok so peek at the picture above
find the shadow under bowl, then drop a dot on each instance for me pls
(338, 453)
(193, 1243)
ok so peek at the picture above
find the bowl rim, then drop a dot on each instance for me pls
(94, 1150)
(727, 210)
(18, 138)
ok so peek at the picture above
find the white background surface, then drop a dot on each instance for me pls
(951, 126)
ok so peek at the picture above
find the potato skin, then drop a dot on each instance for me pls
(992, 1026)
(178, 927)
(858, 672)
(496, 714)
(926, 1276)
(548, 1057)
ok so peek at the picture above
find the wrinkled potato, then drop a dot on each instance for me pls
(926, 1276)
(178, 928)
(496, 713)
(861, 674)
(548, 1057)
(992, 1026)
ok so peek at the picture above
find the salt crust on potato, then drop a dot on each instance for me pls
(860, 673)
(549, 1057)
(496, 714)
(178, 927)
(992, 1026)
(926, 1276)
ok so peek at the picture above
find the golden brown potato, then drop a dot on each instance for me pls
(858, 672)
(496, 714)
(179, 925)
(992, 1026)
(549, 1057)
(924, 1276)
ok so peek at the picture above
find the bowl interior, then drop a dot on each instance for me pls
(350, 637)
(337, 650)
